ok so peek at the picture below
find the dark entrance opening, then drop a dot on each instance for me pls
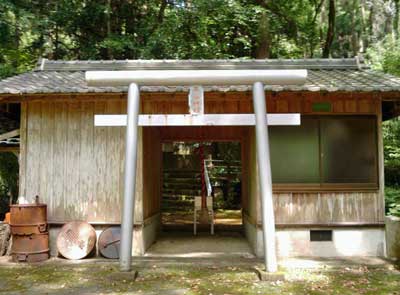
(201, 169)
(188, 157)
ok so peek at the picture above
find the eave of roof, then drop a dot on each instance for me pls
(330, 75)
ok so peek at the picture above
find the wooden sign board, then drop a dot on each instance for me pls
(198, 120)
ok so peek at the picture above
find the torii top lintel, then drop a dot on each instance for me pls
(195, 77)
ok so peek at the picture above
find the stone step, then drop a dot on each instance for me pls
(177, 197)
(183, 185)
(181, 191)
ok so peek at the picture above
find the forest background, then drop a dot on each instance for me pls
(203, 29)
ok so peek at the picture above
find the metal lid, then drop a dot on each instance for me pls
(109, 242)
(76, 240)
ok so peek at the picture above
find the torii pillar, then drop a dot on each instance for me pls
(198, 77)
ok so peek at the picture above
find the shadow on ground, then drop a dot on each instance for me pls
(199, 276)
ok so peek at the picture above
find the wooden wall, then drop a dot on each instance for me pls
(152, 171)
(328, 208)
(318, 208)
(75, 168)
(277, 102)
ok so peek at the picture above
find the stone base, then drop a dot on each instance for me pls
(393, 237)
(5, 239)
(269, 276)
(128, 276)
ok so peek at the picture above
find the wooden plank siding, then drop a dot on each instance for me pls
(328, 208)
(152, 169)
(277, 102)
(74, 167)
(77, 169)
(22, 147)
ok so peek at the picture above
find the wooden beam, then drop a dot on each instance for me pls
(9, 134)
(198, 120)
(381, 163)
(6, 149)
(209, 95)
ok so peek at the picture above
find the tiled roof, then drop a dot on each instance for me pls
(323, 75)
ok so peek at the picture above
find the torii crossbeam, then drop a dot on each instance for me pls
(199, 77)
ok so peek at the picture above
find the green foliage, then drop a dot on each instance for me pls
(391, 137)
(385, 56)
(8, 180)
(391, 58)
(183, 29)
(392, 200)
(161, 29)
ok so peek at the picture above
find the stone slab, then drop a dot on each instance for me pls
(269, 276)
(5, 238)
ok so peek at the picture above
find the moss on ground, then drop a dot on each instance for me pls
(193, 279)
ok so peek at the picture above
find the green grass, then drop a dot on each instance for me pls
(194, 279)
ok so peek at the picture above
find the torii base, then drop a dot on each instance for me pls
(269, 276)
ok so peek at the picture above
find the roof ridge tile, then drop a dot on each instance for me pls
(167, 64)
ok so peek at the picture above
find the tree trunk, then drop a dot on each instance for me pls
(363, 33)
(264, 38)
(17, 36)
(108, 16)
(313, 43)
(355, 46)
(370, 26)
(396, 18)
(161, 11)
(331, 29)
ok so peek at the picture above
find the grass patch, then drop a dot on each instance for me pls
(194, 279)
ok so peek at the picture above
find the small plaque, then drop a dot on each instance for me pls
(321, 107)
(196, 100)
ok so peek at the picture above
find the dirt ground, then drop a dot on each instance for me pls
(175, 276)
(222, 217)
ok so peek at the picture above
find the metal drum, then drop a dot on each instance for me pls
(28, 219)
(109, 242)
(28, 224)
(30, 248)
(76, 240)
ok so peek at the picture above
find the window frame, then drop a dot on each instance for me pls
(332, 187)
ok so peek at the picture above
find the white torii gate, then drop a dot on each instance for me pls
(198, 77)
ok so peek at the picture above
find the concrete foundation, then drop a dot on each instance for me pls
(150, 231)
(292, 242)
(393, 237)
(250, 231)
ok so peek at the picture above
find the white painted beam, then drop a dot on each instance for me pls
(198, 120)
(195, 77)
(9, 134)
